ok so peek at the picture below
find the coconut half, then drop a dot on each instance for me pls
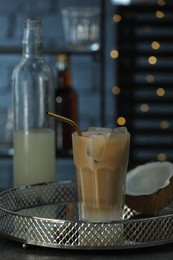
(149, 187)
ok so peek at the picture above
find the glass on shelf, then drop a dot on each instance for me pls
(82, 28)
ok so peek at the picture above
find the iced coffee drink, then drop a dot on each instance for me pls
(101, 159)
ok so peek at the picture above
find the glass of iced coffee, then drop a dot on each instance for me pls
(101, 159)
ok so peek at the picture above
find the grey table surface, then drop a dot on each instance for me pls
(10, 249)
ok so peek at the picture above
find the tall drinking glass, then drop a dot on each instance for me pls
(101, 160)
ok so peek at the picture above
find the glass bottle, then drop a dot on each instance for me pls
(33, 95)
(66, 104)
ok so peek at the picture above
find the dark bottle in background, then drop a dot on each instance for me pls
(66, 104)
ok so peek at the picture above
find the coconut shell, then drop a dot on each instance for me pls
(152, 203)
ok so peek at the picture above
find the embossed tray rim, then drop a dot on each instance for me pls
(41, 230)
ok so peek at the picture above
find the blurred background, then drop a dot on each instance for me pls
(126, 81)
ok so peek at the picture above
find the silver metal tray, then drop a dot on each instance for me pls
(47, 215)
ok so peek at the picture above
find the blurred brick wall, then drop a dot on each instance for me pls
(85, 69)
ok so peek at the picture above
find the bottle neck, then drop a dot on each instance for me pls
(32, 39)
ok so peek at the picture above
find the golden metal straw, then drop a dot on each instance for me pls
(67, 120)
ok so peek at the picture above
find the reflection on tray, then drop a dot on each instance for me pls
(47, 215)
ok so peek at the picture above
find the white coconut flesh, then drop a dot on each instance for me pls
(149, 178)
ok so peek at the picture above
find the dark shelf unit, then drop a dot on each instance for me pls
(151, 129)
(49, 51)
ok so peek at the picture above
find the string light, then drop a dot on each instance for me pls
(117, 18)
(150, 78)
(144, 107)
(160, 92)
(161, 157)
(155, 45)
(121, 120)
(159, 14)
(116, 90)
(114, 54)
(152, 60)
(164, 124)
(161, 2)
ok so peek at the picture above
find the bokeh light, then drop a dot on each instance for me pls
(114, 54)
(160, 92)
(121, 120)
(117, 18)
(161, 157)
(116, 90)
(155, 45)
(144, 107)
